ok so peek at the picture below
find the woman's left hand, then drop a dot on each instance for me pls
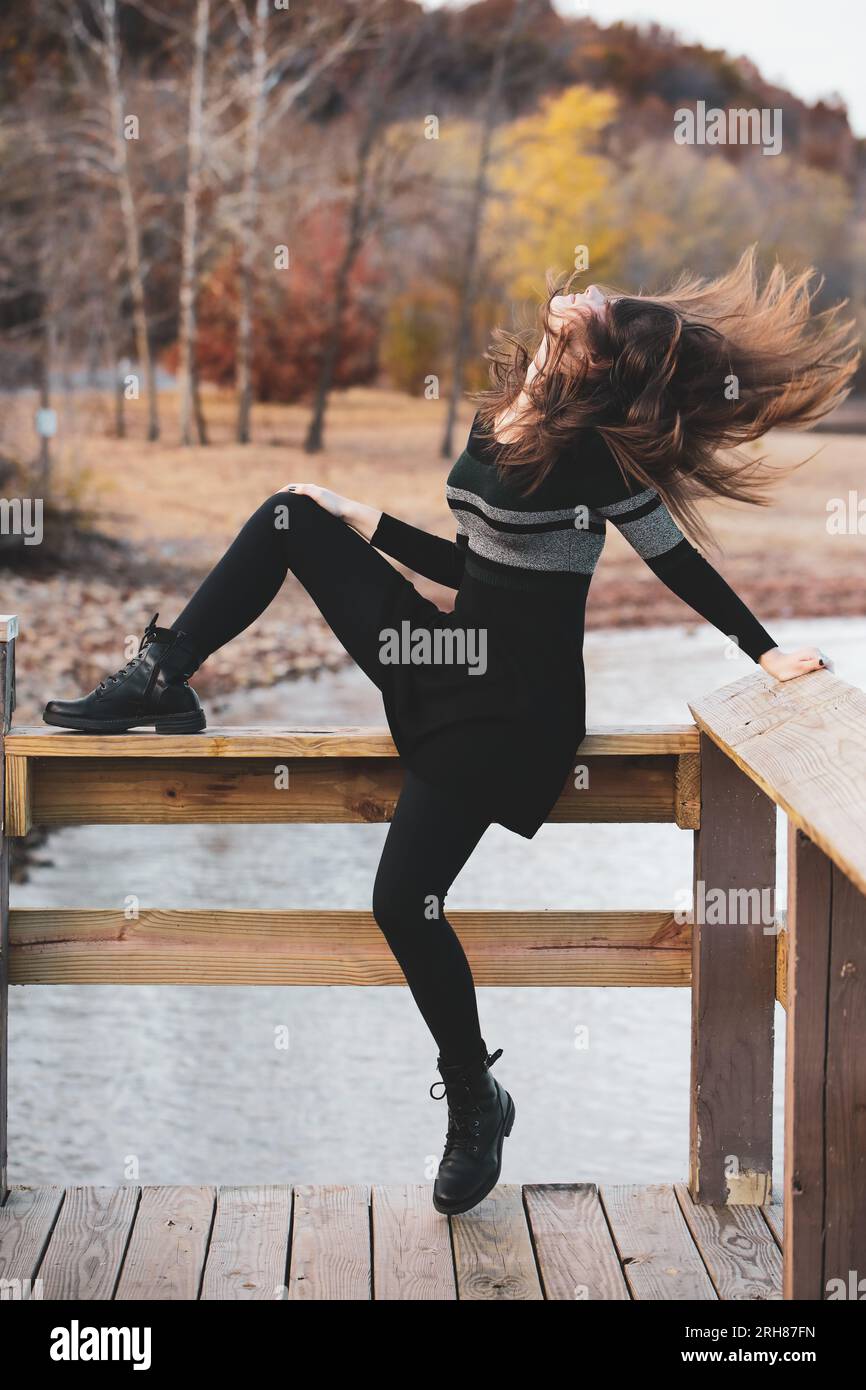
(786, 665)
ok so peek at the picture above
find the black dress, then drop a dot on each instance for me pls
(489, 701)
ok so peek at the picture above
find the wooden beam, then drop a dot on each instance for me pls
(273, 741)
(803, 742)
(825, 1079)
(8, 630)
(306, 946)
(733, 987)
(146, 791)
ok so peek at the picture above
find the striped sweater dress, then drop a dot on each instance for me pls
(488, 701)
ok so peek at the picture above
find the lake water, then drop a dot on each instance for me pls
(185, 1084)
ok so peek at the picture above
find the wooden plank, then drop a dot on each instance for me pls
(774, 1215)
(166, 1252)
(26, 1221)
(7, 704)
(493, 1251)
(331, 1256)
(274, 741)
(782, 967)
(201, 791)
(574, 1248)
(687, 808)
(809, 898)
(308, 946)
(845, 1093)
(85, 1253)
(8, 626)
(804, 743)
(660, 1259)
(19, 817)
(733, 988)
(412, 1256)
(737, 1248)
(249, 1248)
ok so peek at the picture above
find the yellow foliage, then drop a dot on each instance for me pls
(552, 190)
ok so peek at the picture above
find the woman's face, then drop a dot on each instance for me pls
(566, 308)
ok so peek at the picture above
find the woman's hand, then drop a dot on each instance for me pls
(786, 665)
(355, 514)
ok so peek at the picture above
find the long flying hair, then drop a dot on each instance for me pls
(674, 382)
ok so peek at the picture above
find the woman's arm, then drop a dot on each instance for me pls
(430, 556)
(650, 529)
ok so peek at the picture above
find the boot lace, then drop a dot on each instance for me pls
(149, 634)
(464, 1112)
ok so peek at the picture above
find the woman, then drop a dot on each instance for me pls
(617, 417)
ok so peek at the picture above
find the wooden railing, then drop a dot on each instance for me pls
(800, 745)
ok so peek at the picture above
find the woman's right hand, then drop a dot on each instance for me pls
(360, 517)
(785, 666)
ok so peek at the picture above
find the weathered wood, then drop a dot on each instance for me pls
(249, 1247)
(564, 1232)
(809, 904)
(8, 632)
(845, 1092)
(733, 987)
(331, 1244)
(655, 1247)
(199, 791)
(166, 1252)
(825, 1093)
(774, 1215)
(493, 1251)
(737, 1248)
(574, 1248)
(687, 807)
(274, 741)
(782, 967)
(26, 1221)
(307, 946)
(85, 1253)
(804, 743)
(19, 816)
(411, 1247)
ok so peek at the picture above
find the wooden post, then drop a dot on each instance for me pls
(825, 1079)
(8, 633)
(733, 987)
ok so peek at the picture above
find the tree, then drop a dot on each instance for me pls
(189, 244)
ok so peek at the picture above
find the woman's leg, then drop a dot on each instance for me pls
(347, 579)
(430, 839)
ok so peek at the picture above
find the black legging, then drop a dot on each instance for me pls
(431, 834)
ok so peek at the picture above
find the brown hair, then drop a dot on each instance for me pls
(668, 380)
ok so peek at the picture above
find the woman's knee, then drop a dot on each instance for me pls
(284, 512)
(399, 904)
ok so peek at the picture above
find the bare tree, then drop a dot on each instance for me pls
(268, 98)
(399, 51)
(190, 406)
(257, 31)
(109, 49)
(478, 200)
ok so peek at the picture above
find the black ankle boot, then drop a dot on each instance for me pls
(149, 689)
(480, 1115)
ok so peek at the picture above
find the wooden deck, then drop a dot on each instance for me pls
(575, 1242)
